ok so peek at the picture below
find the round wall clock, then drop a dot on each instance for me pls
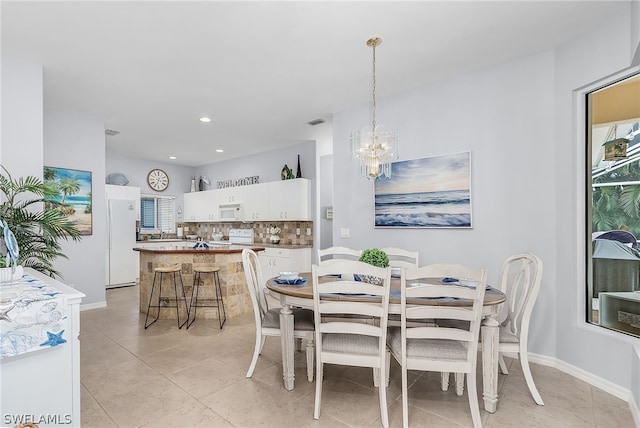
(158, 180)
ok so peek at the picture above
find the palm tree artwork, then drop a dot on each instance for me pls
(72, 195)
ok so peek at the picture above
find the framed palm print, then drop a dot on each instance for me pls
(431, 192)
(74, 196)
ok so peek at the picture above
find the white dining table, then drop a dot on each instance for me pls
(302, 297)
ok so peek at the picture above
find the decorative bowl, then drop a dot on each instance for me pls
(192, 236)
(288, 275)
(217, 236)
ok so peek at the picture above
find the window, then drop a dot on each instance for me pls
(613, 217)
(157, 213)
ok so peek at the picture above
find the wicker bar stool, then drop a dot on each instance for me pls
(215, 302)
(160, 271)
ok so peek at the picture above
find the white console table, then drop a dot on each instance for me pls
(43, 386)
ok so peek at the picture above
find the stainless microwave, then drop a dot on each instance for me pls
(230, 212)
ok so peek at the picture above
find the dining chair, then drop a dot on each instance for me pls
(333, 253)
(520, 280)
(268, 320)
(349, 342)
(432, 348)
(401, 258)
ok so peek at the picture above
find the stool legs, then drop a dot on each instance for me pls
(195, 294)
(159, 305)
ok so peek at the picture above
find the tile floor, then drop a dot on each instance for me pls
(165, 377)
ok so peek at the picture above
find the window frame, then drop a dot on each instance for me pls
(171, 211)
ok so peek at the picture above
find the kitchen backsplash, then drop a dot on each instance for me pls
(288, 231)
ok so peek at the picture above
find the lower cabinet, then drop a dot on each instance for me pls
(276, 260)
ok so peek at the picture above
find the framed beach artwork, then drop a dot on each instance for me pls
(74, 195)
(432, 192)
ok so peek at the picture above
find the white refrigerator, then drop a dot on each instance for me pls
(122, 263)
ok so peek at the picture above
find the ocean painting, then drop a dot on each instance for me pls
(74, 195)
(428, 192)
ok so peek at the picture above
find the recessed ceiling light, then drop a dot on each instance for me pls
(219, 151)
(205, 119)
(172, 157)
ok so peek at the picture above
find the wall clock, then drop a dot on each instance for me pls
(158, 180)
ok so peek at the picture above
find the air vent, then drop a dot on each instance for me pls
(111, 132)
(315, 122)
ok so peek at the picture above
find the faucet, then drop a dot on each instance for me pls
(161, 234)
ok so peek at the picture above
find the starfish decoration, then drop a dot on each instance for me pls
(4, 313)
(55, 339)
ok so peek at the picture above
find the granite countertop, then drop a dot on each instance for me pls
(188, 248)
(287, 246)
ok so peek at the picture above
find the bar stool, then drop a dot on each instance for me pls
(175, 270)
(216, 302)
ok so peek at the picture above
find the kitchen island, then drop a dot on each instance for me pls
(228, 258)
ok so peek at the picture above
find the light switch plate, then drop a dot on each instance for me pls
(308, 231)
(298, 231)
(344, 232)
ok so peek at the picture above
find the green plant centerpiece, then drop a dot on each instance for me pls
(37, 229)
(375, 257)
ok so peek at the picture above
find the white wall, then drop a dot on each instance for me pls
(21, 144)
(519, 121)
(136, 171)
(75, 141)
(635, 31)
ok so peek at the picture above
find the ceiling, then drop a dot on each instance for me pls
(261, 70)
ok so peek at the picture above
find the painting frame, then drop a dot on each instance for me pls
(75, 198)
(433, 192)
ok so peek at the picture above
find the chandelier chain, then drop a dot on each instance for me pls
(373, 91)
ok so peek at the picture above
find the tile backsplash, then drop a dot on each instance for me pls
(288, 231)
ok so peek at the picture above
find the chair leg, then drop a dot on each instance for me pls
(153, 287)
(382, 393)
(256, 353)
(503, 365)
(473, 400)
(459, 383)
(318, 399)
(405, 398)
(444, 381)
(310, 360)
(388, 367)
(524, 362)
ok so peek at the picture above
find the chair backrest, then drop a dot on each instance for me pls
(520, 281)
(253, 275)
(401, 258)
(334, 253)
(333, 295)
(426, 282)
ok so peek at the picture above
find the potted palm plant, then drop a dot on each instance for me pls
(37, 230)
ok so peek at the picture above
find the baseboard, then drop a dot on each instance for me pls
(96, 305)
(585, 376)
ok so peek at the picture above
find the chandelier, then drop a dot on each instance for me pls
(373, 145)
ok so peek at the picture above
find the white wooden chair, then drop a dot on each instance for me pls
(333, 253)
(349, 342)
(433, 348)
(400, 258)
(268, 320)
(520, 281)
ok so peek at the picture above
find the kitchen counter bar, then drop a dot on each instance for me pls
(235, 293)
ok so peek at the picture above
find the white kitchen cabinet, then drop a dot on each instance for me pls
(200, 206)
(256, 202)
(229, 195)
(289, 200)
(276, 260)
(44, 386)
(128, 193)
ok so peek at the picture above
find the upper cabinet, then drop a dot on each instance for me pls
(286, 200)
(289, 200)
(200, 206)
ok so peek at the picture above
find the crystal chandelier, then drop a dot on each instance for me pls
(373, 145)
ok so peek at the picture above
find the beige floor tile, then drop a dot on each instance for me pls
(166, 377)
